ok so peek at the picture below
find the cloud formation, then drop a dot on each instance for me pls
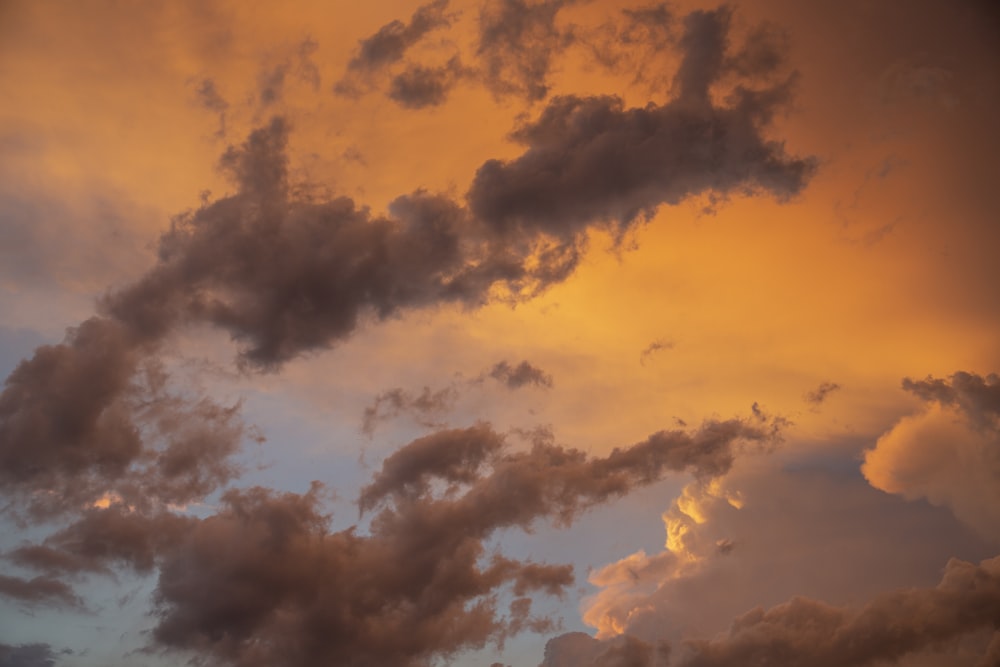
(517, 41)
(949, 453)
(389, 44)
(264, 581)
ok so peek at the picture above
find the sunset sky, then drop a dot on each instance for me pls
(528, 333)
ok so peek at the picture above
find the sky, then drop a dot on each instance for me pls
(527, 333)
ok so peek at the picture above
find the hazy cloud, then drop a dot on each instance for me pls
(654, 347)
(389, 45)
(517, 41)
(523, 374)
(39, 591)
(393, 402)
(820, 393)
(27, 655)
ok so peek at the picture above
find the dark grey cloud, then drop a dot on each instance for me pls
(520, 375)
(209, 97)
(420, 86)
(39, 591)
(820, 393)
(27, 655)
(976, 395)
(94, 416)
(389, 45)
(888, 628)
(103, 541)
(590, 161)
(517, 41)
(272, 77)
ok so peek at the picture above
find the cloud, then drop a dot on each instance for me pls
(93, 416)
(27, 655)
(654, 347)
(517, 42)
(393, 402)
(820, 393)
(589, 161)
(889, 627)
(419, 86)
(390, 43)
(521, 375)
(949, 453)
(576, 649)
(264, 581)
(102, 540)
(39, 591)
(735, 542)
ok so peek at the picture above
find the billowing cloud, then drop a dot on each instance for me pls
(949, 453)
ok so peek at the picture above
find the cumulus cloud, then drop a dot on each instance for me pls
(949, 453)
